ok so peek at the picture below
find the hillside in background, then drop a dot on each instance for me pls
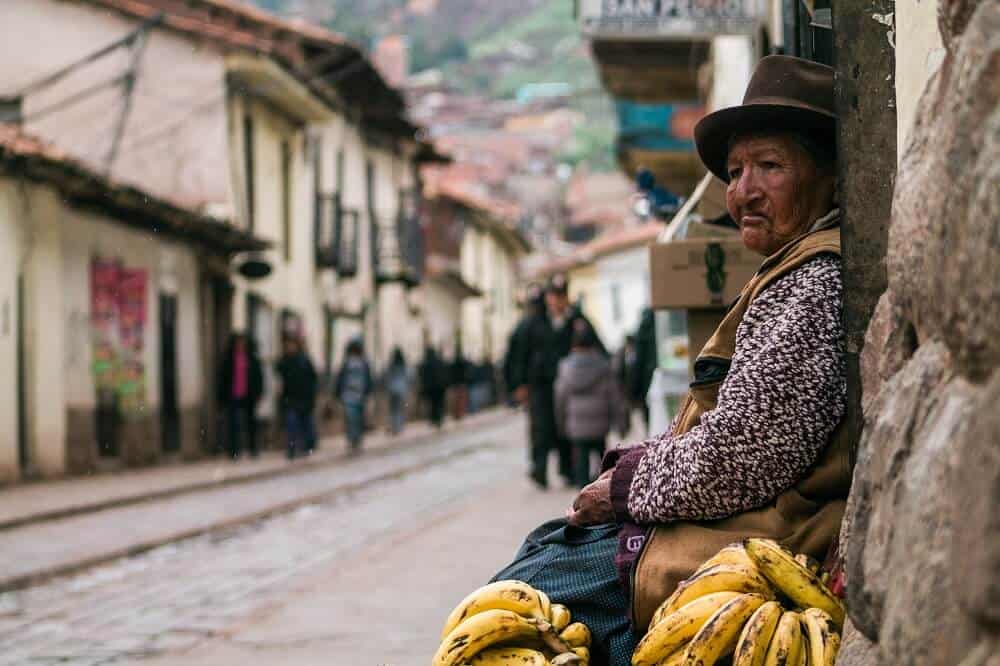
(483, 47)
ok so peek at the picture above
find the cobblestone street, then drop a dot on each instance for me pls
(386, 550)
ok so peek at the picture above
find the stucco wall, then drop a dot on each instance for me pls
(53, 246)
(174, 141)
(487, 321)
(628, 273)
(171, 268)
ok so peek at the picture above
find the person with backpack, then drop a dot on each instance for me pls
(354, 385)
(589, 403)
(397, 385)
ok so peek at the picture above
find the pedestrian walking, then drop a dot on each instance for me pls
(513, 370)
(645, 363)
(354, 385)
(459, 385)
(397, 385)
(589, 403)
(434, 384)
(239, 387)
(545, 339)
(298, 397)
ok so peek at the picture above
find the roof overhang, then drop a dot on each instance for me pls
(263, 78)
(25, 158)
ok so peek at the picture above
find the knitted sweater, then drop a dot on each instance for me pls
(784, 394)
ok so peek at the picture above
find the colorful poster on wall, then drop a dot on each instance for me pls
(104, 322)
(118, 320)
(131, 324)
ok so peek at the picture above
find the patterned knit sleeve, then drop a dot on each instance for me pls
(783, 396)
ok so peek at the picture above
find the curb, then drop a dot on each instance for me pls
(29, 580)
(290, 470)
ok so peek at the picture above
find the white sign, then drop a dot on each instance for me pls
(666, 19)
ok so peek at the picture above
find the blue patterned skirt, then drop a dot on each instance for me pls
(575, 566)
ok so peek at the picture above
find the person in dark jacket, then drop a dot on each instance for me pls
(298, 397)
(239, 387)
(589, 403)
(397, 385)
(546, 340)
(513, 359)
(354, 385)
(645, 362)
(434, 384)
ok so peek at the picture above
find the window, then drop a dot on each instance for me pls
(248, 166)
(286, 197)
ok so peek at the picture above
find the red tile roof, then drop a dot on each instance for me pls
(321, 59)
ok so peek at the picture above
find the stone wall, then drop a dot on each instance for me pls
(922, 534)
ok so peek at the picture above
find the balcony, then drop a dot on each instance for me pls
(398, 249)
(336, 233)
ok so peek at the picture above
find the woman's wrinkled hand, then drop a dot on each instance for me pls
(593, 505)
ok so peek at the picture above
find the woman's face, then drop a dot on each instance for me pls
(775, 191)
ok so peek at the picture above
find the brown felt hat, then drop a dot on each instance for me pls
(784, 93)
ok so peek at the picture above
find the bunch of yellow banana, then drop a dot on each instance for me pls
(509, 623)
(733, 605)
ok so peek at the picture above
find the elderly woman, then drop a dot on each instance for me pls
(753, 450)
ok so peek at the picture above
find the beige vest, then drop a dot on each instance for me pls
(805, 518)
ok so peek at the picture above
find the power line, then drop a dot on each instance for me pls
(76, 97)
(60, 74)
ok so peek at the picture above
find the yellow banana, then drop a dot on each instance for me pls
(509, 656)
(676, 659)
(818, 626)
(718, 578)
(734, 554)
(512, 595)
(832, 648)
(673, 631)
(483, 630)
(751, 648)
(792, 579)
(567, 659)
(576, 635)
(717, 637)
(577, 657)
(786, 645)
(546, 604)
(560, 617)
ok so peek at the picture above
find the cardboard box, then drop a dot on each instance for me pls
(699, 272)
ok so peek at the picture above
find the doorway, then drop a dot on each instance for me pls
(23, 456)
(170, 417)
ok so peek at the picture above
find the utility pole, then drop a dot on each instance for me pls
(866, 106)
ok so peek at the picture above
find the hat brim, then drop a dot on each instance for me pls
(712, 133)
